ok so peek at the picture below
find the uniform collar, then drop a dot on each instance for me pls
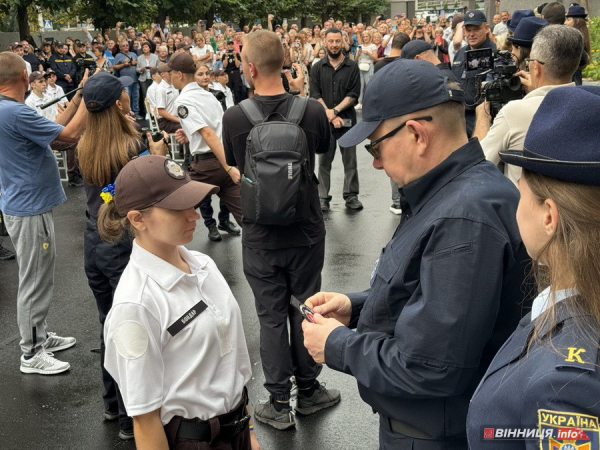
(542, 301)
(418, 192)
(163, 273)
(193, 86)
(543, 90)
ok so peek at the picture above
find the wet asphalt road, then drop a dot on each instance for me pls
(65, 411)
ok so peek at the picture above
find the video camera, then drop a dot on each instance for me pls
(504, 85)
(86, 64)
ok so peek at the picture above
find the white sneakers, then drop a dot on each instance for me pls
(44, 362)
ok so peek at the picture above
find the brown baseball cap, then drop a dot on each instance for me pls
(36, 76)
(154, 180)
(163, 67)
(182, 62)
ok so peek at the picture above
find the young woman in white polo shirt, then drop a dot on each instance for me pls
(174, 337)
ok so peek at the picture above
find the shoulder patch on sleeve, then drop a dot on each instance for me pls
(182, 112)
(563, 430)
(131, 339)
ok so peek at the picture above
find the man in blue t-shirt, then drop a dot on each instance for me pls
(125, 65)
(31, 188)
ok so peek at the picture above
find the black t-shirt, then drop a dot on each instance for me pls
(384, 62)
(33, 60)
(236, 128)
(231, 57)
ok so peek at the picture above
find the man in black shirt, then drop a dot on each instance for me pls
(280, 261)
(399, 41)
(335, 83)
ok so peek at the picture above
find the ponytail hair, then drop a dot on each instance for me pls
(111, 225)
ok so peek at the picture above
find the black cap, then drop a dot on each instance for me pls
(414, 48)
(402, 87)
(474, 17)
(102, 90)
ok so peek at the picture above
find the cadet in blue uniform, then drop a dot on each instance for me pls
(544, 384)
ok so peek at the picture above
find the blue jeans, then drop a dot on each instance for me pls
(134, 96)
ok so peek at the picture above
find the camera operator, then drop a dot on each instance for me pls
(475, 31)
(554, 58)
(231, 64)
(82, 61)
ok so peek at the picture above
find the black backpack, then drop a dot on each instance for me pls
(277, 181)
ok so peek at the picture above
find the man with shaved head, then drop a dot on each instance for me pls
(31, 188)
(280, 261)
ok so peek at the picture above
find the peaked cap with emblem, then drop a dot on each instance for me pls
(154, 180)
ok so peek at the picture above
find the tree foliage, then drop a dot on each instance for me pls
(105, 13)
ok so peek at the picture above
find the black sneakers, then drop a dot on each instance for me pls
(75, 181)
(265, 412)
(213, 234)
(229, 227)
(354, 203)
(320, 399)
(6, 254)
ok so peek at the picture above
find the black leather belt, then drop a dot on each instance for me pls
(201, 431)
(405, 429)
(200, 156)
(225, 428)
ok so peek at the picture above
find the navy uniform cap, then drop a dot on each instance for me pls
(550, 147)
(526, 31)
(402, 87)
(576, 11)
(474, 17)
(102, 90)
(414, 48)
(517, 16)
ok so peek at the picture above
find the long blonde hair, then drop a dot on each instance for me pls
(106, 146)
(575, 245)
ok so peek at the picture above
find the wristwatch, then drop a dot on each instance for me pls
(335, 111)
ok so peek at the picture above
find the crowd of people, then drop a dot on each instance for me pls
(450, 338)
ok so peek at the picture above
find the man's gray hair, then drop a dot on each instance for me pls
(560, 48)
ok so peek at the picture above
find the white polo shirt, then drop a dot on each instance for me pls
(228, 94)
(152, 93)
(166, 95)
(34, 102)
(174, 340)
(55, 92)
(196, 109)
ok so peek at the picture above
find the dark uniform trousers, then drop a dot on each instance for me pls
(325, 161)
(104, 263)
(211, 171)
(274, 276)
(69, 148)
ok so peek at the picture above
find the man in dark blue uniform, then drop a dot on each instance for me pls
(447, 288)
(476, 31)
(62, 64)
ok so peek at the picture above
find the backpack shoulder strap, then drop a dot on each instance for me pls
(296, 112)
(251, 111)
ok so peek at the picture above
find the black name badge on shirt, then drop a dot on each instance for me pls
(184, 320)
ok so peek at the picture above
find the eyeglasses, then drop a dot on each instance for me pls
(528, 60)
(373, 148)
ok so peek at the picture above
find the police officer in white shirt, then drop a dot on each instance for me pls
(201, 117)
(220, 84)
(174, 336)
(38, 96)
